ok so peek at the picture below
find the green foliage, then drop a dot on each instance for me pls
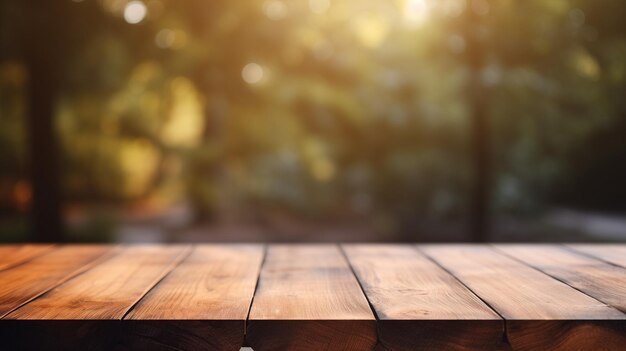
(361, 108)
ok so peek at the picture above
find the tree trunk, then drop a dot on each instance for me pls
(43, 57)
(43, 155)
(480, 211)
(480, 133)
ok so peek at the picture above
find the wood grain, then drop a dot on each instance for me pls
(42, 273)
(204, 302)
(540, 312)
(419, 305)
(86, 311)
(164, 297)
(13, 255)
(308, 299)
(108, 290)
(595, 278)
(567, 335)
(612, 253)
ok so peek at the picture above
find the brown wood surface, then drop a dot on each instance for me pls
(13, 255)
(419, 305)
(595, 278)
(42, 273)
(541, 313)
(85, 312)
(204, 301)
(308, 299)
(108, 290)
(612, 253)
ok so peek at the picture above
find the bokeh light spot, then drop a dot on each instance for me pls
(170, 39)
(323, 50)
(480, 7)
(135, 12)
(252, 73)
(415, 12)
(577, 17)
(456, 43)
(165, 38)
(452, 8)
(319, 6)
(371, 29)
(275, 9)
(323, 170)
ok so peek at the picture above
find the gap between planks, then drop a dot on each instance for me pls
(420, 306)
(38, 292)
(546, 312)
(307, 295)
(256, 287)
(16, 254)
(367, 298)
(590, 275)
(100, 326)
(177, 262)
(185, 255)
(505, 339)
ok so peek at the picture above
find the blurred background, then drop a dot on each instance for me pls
(312, 120)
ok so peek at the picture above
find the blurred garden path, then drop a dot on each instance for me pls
(176, 224)
(594, 225)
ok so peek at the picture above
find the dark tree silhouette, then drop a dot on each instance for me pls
(480, 137)
(43, 53)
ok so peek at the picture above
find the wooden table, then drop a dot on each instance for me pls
(313, 297)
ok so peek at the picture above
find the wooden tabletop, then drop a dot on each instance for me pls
(313, 297)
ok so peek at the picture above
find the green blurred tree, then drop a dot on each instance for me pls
(397, 113)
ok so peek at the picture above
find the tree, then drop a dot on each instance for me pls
(45, 41)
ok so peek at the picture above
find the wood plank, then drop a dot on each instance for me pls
(108, 290)
(203, 303)
(540, 312)
(13, 255)
(612, 253)
(308, 299)
(31, 279)
(419, 305)
(595, 278)
(86, 311)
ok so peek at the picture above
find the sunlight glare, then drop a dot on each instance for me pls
(371, 29)
(185, 124)
(416, 12)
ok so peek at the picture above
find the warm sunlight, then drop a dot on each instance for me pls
(416, 12)
(399, 119)
(312, 175)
